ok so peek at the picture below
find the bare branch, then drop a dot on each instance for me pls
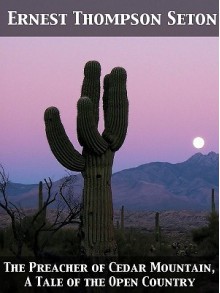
(28, 229)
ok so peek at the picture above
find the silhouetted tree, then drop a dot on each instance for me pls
(29, 229)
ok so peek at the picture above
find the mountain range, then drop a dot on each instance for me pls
(152, 186)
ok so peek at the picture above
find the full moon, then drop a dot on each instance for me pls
(198, 142)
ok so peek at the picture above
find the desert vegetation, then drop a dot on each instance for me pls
(131, 241)
(51, 235)
(62, 226)
(29, 231)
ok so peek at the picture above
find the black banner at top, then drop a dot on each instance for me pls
(109, 18)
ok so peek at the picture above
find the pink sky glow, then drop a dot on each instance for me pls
(172, 90)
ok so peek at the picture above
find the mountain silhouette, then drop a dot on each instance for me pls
(152, 186)
(166, 186)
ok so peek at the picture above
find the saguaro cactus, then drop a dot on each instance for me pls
(40, 195)
(157, 227)
(122, 219)
(41, 203)
(213, 200)
(95, 162)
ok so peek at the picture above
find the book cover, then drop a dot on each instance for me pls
(109, 163)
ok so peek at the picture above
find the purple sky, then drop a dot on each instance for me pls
(172, 90)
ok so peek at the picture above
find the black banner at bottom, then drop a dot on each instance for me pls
(150, 274)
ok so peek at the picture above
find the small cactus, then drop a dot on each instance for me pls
(122, 219)
(41, 209)
(157, 228)
(40, 196)
(213, 200)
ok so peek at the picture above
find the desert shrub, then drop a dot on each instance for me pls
(2, 239)
(65, 242)
(207, 238)
(133, 242)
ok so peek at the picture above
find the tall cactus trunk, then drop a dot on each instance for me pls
(97, 225)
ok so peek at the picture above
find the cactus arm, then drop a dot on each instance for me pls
(91, 86)
(88, 135)
(115, 105)
(105, 99)
(59, 142)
